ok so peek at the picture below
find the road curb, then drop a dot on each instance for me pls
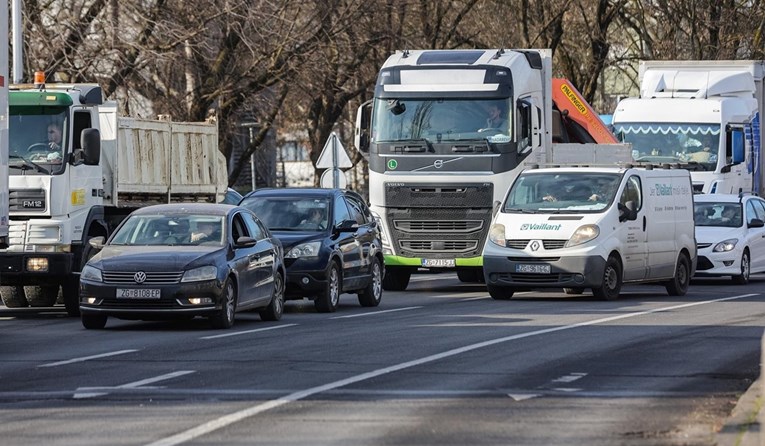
(743, 426)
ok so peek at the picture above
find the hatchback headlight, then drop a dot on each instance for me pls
(583, 234)
(91, 273)
(726, 245)
(304, 250)
(199, 274)
(497, 234)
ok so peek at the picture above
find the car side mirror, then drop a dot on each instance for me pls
(756, 223)
(347, 226)
(245, 242)
(496, 207)
(97, 242)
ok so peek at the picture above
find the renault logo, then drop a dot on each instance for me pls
(139, 277)
(534, 245)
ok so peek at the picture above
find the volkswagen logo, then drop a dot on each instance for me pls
(139, 277)
(438, 164)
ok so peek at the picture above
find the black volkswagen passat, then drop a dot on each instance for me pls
(184, 260)
(331, 243)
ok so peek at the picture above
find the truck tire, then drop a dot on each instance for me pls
(42, 295)
(13, 296)
(396, 279)
(70, 289)
(470, 275)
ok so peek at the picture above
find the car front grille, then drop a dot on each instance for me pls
(152, 278)
(147, 304)
(522, 243)
(537, 278)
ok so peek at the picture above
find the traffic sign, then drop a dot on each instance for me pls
(328, 179)
(333, 154)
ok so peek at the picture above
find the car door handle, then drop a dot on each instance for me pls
(644, 223)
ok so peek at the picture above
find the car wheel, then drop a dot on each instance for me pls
(275, 309)
(225, 317)
(577, 290)
(500, 292)
(678, 285)
(41, 296)
(13, 296)
(612, 281)
(329, 298)
(372, 294)
(396, 279)
(93, 321)
(746, 267)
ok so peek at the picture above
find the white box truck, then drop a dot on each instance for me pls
(704, 116)
(76, 170)
(446, 134)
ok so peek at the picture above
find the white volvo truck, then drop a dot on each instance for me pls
(64, 192)
(704, 116)
(445, 136)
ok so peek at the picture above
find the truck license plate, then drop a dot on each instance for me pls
(133, 293)
(438, 263)
(532, 268)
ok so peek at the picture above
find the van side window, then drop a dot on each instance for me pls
(632, 192)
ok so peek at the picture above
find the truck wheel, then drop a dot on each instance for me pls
(13, 296)
(396, 279)
(500, 292)
(94, 321)
(70, 289)
(612, 281)
(329, 298)
(678, 285)
(743, 278)
(41, 296)
(470, 275)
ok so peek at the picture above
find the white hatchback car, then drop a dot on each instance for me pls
(730, 235)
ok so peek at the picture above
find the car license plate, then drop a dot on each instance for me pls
(138, 293)
(532, 268)
(438, 263)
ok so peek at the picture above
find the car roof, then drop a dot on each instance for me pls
(186, 208)
(721, 198)
(295, 192)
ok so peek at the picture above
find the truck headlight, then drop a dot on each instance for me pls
(310, 249)
(199, 274)
(91, 273)
(583, 234)
(497, 235)
(726, 245)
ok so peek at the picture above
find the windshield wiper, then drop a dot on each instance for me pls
(522, 211)
(29, 164)
(424, 145)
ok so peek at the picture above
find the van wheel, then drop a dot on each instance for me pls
(500, 292)
(746, 267)
(612, 281)
(678, 285)
(577, 290)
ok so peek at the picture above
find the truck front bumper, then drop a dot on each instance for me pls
(28, 268)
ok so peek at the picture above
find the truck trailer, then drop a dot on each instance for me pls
(63, 192)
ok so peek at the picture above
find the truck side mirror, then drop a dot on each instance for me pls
(737, 144)
(91, 147)
(363, 128)
(525, 135)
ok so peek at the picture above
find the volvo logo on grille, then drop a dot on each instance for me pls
(139, 277)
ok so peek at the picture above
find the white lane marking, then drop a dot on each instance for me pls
(474, 298)
(372, 313)
(7, 318)
(571, 377)
(226, 420)
(87, 358)
(566, 389)
(522, 397)
(88, 392)
(237, 333)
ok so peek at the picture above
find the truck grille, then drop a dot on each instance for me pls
(429, 246)
(25, 200)
(438, 225)
(152, 278)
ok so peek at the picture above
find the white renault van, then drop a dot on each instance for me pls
(595, 228)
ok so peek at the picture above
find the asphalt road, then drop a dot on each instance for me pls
(439, 364)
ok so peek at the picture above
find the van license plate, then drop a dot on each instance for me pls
(438, 263)
(134, 293)
(532, 268)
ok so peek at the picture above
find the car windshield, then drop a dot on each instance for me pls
(290, 213)
(652, 142)
(171, 230)
(436, 120)
(570, 192)
(721, 214)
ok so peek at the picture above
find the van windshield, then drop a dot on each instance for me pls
(556, 192)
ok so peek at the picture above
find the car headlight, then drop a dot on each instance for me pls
(583, 234)
(726, 245)
(304, 250)
(497, 235)
(91, 273)
(201, 273)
